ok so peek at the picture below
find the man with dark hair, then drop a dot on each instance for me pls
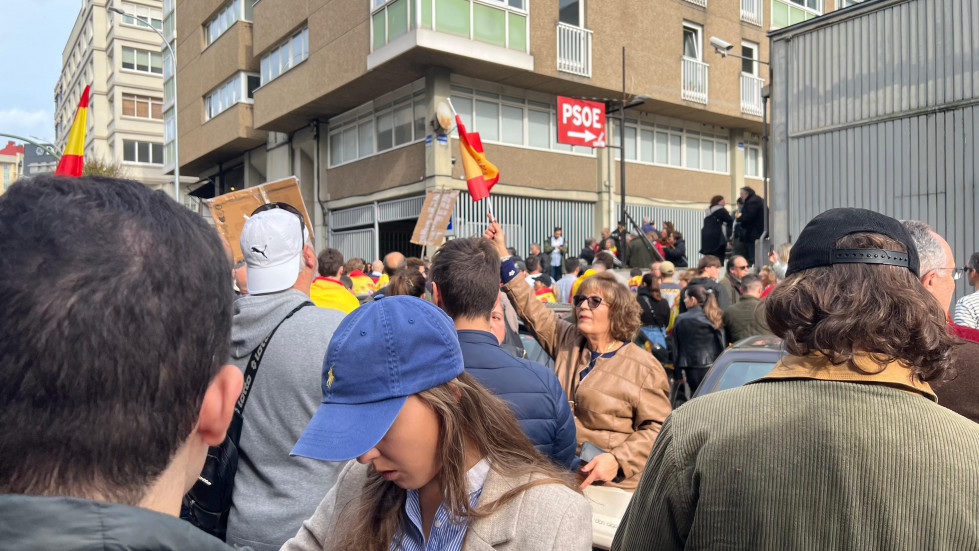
(533, 268)
(327, 289)
(112, 368)
(588, 251)
(751, 221)
(563, 286)
(466, 284)
(554, 247)
(708, 269)
(274, 493)
(744, 319)
(543, 260)
(842, 445)
(737, 268)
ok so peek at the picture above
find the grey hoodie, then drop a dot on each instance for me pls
(274, 492)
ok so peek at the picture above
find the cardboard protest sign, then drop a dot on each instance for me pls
(433, 220)
(232, 209)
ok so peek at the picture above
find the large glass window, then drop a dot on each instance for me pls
(285, 56)
(235, 10)
(142, 16)
(365, 132)
(238, 88)
(142, 152)
(144, 107)
(142, 60)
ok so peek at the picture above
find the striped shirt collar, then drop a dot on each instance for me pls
(445, 534)
(819, 367)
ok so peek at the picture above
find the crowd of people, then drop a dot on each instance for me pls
(393, 405)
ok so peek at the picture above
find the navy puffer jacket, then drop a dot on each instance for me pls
(532, 391)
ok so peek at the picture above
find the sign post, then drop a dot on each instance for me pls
(580, 122)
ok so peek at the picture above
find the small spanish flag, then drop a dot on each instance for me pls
(481, 174)
(71, 160)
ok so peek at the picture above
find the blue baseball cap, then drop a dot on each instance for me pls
(381, 353)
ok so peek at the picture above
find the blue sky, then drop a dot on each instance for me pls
(34, 34)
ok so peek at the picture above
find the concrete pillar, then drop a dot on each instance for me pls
(279, 157)
(736, 163)
(438, 156)
(606, 188)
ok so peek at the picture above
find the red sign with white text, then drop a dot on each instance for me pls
(580, 122)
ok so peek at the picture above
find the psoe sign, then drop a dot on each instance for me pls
(580, 122)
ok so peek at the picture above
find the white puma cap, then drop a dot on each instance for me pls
(272, 243)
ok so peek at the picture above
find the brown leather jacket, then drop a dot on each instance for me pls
(621, 404)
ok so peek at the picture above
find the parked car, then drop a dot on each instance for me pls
(742, 362)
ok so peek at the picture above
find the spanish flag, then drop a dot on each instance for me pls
(481, 175)
(71, 160)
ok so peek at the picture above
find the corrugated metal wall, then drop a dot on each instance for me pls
(686, 221)
(527, 220)
(359, 243)
(877, 108)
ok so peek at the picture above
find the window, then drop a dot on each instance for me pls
(285, 56)
(815, 5)
(749, 50)
(142, 16)
(752, 161)
(848, 3)
(143, 61)
(144, 107)
(572, 12)
(239, 88)
(142, 152)
(691, 41)
(790, 12)
(235, 10)
(368, 130)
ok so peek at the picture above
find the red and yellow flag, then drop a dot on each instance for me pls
(481, 175)
(71, 160)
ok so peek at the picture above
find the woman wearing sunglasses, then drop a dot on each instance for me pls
(618, 392)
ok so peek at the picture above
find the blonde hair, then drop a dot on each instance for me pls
(708, 300)
(468, 415)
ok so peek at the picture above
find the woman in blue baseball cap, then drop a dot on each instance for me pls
(441, 463)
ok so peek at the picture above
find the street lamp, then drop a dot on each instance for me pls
(176, 134)
(723, 49)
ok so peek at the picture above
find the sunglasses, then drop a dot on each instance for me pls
(593, 301)
(288, 208)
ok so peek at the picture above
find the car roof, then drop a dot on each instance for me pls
(767, 342)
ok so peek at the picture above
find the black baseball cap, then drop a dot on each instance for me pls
(816, 245)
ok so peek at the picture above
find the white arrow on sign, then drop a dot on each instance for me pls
(586, 135)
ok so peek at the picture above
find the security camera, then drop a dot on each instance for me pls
(720, 46)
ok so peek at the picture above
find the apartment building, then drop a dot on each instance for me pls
(342, 94)
(11, 164)
(120, 58)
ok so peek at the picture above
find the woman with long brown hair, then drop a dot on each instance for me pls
(440, 462)
(698, 339)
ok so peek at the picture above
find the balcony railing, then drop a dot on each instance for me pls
(694, 80)
(573, 50)
(699, 2)
(751, 11)
(751, 94)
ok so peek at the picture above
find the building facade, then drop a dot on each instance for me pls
(343, 94)
(11, 165)
(120, 58)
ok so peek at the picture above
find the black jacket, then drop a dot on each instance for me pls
(696, 342)
(716, 232)
(677, 254)
(752, 219)
(723, 299)
(655, 313)
(73, 524)
(588, 254)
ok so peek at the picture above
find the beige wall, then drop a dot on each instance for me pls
(536, 169)
(404, 165)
